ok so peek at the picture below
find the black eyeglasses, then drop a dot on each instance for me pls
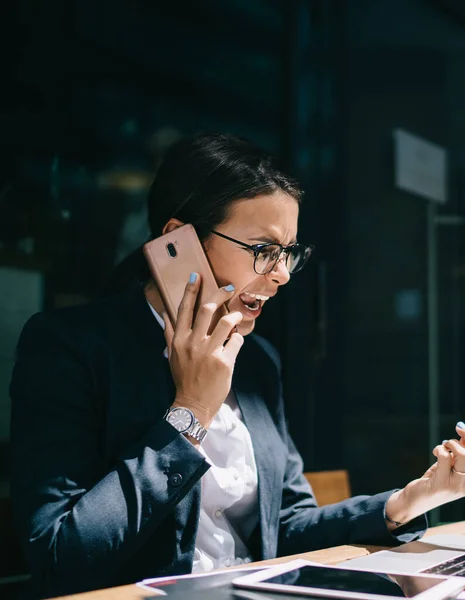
(268, 255)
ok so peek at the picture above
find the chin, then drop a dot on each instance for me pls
(246, 328)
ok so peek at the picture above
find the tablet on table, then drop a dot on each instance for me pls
(314, 579)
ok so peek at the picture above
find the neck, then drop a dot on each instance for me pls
(153, 297)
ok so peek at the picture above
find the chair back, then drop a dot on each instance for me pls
(329, 486)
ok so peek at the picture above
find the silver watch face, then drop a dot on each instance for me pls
(180, 418)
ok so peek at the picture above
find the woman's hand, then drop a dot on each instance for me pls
(457, 449)
(443, 482)
(202, 365)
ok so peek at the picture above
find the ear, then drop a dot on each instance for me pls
(172, 225)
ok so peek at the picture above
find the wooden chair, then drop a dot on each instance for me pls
(329, 486)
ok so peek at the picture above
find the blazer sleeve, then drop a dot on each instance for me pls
(303, 526)
(359, 520)
(74, 516)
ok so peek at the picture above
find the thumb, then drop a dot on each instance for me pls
(430, 472)
(444, 465)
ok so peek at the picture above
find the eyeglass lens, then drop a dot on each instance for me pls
(295, 259)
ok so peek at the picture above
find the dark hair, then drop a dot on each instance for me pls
(198, 181)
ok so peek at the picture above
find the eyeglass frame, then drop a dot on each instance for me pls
(257, 248)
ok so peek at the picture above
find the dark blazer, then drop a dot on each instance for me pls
(106, 492)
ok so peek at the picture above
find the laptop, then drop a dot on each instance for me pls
(442, 554)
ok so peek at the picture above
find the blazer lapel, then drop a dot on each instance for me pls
(152, 365)
(268, 448)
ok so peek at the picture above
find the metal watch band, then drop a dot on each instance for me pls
(197, 432)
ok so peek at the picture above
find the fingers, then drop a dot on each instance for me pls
(205, 312)
(460, 429)
(445, 462)
(457, 452)
(225, 326)
(454, 446)
(233, 345)
(186, 308)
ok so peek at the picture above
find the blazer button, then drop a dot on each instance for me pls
(175, 479)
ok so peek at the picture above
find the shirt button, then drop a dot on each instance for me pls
(175, 479)
(227, 562)
(218, 513)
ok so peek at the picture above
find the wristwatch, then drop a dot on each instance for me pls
(184, 421)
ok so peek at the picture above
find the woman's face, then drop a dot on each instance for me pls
(265, 218)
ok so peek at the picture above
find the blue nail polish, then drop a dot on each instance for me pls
(461, 425)
(193, 278)
(445, 441)
(230, 288)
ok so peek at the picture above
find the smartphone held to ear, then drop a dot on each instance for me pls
(171, 259)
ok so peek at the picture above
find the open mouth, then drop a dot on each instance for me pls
(253, 302)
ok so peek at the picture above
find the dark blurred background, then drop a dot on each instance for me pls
(372, 333)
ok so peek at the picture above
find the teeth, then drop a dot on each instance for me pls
(254, 307)
(258, 296)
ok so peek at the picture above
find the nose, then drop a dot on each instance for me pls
(280, 273)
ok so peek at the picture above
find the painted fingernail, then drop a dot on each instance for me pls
(461, 425)
(193, 278)
(445, 441)
(230, 288)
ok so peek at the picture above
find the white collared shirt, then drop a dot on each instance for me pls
(229, 500)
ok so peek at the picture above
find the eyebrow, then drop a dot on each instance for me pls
(270, 240)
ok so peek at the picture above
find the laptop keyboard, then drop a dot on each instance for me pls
(453, 566)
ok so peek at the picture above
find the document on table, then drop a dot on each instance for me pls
(193, 582)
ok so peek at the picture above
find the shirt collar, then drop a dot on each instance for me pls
(161, 323)
(157, 316)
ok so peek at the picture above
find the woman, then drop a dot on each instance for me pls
(106, 486)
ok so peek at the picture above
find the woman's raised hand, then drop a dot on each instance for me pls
(456, 448)
(202, 365)
(443, 482)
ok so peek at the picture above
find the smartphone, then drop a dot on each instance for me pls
(171, 259)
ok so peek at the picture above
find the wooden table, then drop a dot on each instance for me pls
(329, 556)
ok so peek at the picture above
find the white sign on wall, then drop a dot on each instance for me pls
(420, 166)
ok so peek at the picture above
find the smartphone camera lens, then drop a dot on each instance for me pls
(171, 250)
